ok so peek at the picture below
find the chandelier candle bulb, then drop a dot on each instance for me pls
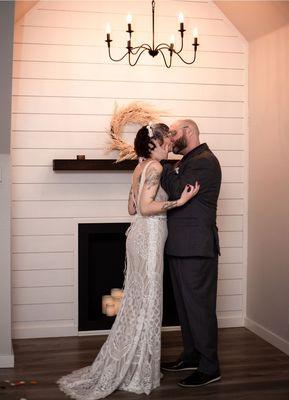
(195, 35)
(181, 21)
(129, 22)
(129, 19)
(108, 31)
(108, 28)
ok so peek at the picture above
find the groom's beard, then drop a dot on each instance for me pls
(179, 145)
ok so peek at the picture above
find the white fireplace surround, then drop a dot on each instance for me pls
(67, 328)
(71, 329)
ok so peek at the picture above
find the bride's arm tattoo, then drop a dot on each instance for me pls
(131, 198)
(131, 202)
(149, 205)
(152, 179)
(169, 204)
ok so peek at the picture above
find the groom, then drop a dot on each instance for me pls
(193, 249)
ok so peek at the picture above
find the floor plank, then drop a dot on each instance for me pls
(251, 368)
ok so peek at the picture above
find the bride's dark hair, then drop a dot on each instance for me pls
(143, 143)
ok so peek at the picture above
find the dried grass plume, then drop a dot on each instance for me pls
(133, 113)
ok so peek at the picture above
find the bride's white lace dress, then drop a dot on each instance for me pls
(130, 358)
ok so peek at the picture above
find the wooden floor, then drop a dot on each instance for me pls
(251, 369)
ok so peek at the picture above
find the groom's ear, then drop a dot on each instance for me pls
(189, 131)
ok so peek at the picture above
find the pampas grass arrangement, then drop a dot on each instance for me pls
(134, 113)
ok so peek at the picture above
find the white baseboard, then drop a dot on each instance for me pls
(267, 335)
(38, 331)
(223, 322)
(7, 361)
(106, 331)
(231, 322)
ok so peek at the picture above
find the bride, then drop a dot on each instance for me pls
(130, 358)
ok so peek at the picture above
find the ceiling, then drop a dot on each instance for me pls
(252, 18)
(255, 18)
(21, 8)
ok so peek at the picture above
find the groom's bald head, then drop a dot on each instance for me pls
(184, 136)
(191, 124)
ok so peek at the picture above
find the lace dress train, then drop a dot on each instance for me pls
(130, 358)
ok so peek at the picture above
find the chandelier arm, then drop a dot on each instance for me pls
(188, 62)
(133, 64)
(113, 59)
(162, 44)
(143, 46)
(165, 61)
(182, 45)
(167, 47)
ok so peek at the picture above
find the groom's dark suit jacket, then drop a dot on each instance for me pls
(192, 229)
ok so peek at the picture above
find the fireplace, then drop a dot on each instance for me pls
(101, 260)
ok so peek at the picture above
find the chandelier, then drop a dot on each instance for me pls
(166, 50)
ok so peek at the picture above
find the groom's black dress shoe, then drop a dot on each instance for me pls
(179, 365)
(199, 378)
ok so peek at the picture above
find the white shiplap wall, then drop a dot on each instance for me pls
(64, 90)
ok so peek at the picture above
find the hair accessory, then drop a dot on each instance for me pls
(150, 131)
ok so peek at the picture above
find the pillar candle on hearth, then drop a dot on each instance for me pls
(107, 300)
(110, 310)
(117, 293)
(117, 303)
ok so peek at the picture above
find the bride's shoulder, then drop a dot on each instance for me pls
(148, 167)
(155, 166)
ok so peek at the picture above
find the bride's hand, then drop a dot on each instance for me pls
(189, 192)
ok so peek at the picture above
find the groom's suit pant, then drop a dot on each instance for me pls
(194, 281)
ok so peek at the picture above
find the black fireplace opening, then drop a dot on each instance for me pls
(101, 262)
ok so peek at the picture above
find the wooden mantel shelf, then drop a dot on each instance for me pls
(95, 165)
(92, 165)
